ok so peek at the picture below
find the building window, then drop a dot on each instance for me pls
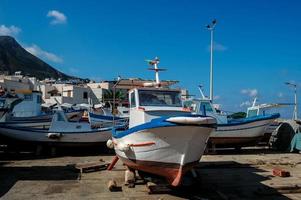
(85, 95)
(69, 93)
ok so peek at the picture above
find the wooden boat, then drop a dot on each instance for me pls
(233, 132)
(24, 109)
(61, 132)
(162, 138)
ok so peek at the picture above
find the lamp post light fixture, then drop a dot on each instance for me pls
(211, 27)
(295, 114)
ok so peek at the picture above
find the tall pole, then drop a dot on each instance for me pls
(295, 114)
(210, 27)
(211, 66)
(157, 73)
(296, 105)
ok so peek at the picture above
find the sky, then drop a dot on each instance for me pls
(257, 43)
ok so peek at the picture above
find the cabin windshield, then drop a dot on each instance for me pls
(252, 113)
(191, 105)
(159, 98)
(132, 100)
(207, 105)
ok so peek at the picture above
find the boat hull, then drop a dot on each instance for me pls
(240, 134)
(41, 121)
(168, 151)
(173, 172)
(31, 135)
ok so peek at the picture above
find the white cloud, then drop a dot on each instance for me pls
(57, 17)
(11, 31)
(37, 51)
(245, 103)
(218, 47)
(250, 92)
(216, 97)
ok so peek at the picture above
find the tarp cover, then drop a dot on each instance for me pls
(296, 142)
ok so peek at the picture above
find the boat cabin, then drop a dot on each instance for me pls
(263, 109)
(150, 103)
(205, 107)
(30, 105)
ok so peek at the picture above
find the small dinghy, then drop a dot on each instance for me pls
(162, 138)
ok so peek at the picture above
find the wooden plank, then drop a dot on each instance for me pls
(91, 167)
(154, 188)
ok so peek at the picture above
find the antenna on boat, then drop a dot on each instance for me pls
(211, 27)
(154, 63)
(201, 91)
(254, 102)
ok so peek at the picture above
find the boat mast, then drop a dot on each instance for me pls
(155, 63)
(295, 114)
(211, 27)
(254, 102)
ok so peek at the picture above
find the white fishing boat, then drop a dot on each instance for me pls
(61, 132)
(264, 109)
(24, 109)
(162, 138)
(233, 132)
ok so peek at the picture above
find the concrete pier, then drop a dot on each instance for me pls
(225, 175)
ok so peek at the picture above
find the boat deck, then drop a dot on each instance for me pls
(228, 175)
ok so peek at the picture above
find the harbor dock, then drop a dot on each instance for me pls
(226, 175)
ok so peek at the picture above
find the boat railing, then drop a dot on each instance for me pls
(104, 124)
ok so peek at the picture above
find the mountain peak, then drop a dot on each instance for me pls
(7, 37)
(13, 57)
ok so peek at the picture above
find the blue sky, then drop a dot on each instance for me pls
(257, 42)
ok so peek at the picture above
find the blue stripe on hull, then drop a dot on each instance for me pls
(156, 123)
(237, 122)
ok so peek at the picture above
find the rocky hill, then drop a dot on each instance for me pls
(13, 57)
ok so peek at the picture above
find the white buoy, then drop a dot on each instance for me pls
(110, 144)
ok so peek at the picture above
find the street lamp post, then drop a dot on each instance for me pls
(295, 114)
(211, 27)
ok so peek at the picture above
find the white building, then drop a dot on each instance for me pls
(12, 83)
(66, 93)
